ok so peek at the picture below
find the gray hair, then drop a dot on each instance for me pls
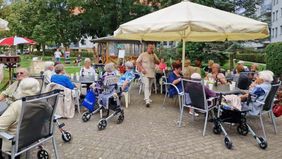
(21, 69)
(87, 60)
(48, 64)
(109, 67)
(195, 76)
(59, 68)
(129, 65)
(266, 75)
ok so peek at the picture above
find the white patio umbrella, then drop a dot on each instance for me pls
(3, 25)
(189, 21)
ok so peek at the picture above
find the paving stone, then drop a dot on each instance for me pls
(153, 133)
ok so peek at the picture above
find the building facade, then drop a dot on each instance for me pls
(276, 21)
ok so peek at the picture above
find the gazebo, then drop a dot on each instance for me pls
(108, 49)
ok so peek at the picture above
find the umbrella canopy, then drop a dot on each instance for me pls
(3, 25)
(189, 21)
(15, 41)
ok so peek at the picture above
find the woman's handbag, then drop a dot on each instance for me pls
(277, 110)
(89, 100)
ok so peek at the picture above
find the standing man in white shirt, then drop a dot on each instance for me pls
(57, 55)
(146, 65)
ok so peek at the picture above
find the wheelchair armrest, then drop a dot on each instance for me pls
(6, 136)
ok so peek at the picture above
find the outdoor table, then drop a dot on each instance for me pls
(225, 90)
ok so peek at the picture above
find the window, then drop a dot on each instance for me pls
(272, 33)
(280, 12)
(273, 16)
(273, 2)
(277, 15)
(280, 29)
(276, 32)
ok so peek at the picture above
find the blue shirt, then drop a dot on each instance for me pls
(62, 80)
(171, 90)
(128, 76)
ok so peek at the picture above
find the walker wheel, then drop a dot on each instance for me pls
(243, 129)
(66, 136)
(216, 130)
(120, 118)
(227, 143)
(42, 154)
(86, 116)
(102, 124)
(263, 143)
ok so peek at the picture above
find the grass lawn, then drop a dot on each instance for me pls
(26, 62)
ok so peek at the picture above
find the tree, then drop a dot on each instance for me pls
(102, 17)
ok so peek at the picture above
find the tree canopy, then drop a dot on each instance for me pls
(54, 21)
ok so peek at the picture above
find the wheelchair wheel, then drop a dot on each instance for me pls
(86, 116)
(66, 136)
(216, 130)
(120, 118)
(42, 154)
(227, 143)
(102, 124)
(243, 129)
(263, 143)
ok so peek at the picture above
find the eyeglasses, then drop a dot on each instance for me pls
(19, 73)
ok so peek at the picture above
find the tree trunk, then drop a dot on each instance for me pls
(43, 49)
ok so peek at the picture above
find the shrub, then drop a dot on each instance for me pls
(274, 58)
(253, 57)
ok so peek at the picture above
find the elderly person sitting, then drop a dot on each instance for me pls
(254, 67)
(61, 78)
(127, 77)
(209, 93)
(87, 70)
(49, 71)
(257, 92)
(110, 70)
(196, 76)
(174, 77)
(12, 91)
(208, 68)
(216, 75)
(9, 119)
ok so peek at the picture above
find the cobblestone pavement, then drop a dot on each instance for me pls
(153, 133)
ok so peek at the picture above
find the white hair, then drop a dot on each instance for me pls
(195, 76)
(266, 75)
(129, 65)
(28, 87)
(87, 60)
(110, 67)
(48, 64)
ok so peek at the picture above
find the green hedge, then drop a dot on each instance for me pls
(274, 58)
(253, 57)
(73, 53)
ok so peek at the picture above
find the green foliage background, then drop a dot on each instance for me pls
(274, 58)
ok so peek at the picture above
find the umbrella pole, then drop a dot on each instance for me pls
(183, 53)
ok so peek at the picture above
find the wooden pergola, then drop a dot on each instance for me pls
(108, 49)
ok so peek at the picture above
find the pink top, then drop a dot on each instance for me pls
(162, 66)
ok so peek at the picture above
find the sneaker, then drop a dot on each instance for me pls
(195, 114)
(147, 105)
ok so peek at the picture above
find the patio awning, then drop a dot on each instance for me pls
(192, 22)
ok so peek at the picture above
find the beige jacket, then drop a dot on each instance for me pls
(66, 102)
(9, 121)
